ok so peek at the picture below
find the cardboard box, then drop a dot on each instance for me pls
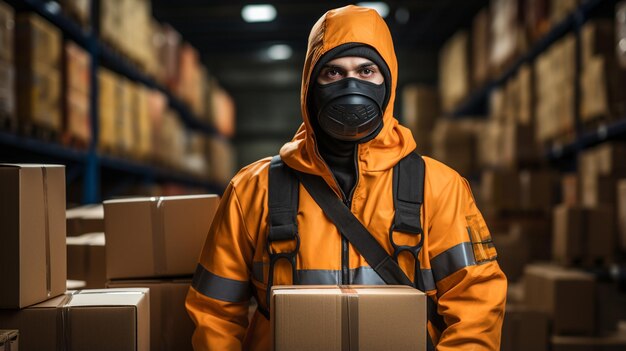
(37, 42)
(32, 222)
(569, 234)
(340, 318)
(85, 259)
(39, 95)
(7, 30)
(85, 219)
(170, 325)
(156, 237)
(610, 306)
(602, 90)
(621, 213)
(454, 71)
(223, 111)
(524, 329)
(9, 340)
(566, 295)
(77, 119)
(559, 9)
(108, 319)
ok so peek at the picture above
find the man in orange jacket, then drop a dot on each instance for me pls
(350, 61)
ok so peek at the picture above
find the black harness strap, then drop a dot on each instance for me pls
(283, 210)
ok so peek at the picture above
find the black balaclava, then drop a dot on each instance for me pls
(340, 154)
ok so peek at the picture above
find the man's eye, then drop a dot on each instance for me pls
(332, 73)
(366, 71)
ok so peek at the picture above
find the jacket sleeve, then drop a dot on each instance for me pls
(471, 287)
(218, 299)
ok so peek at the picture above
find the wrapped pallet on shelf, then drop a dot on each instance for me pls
(38, 61)
(141, 124)
(555, 91)
(454, 70)
(603, 97)
(107, 110)
(124, 118)
(188, 87)
(507, 34)
(7, 68)
(77, 87)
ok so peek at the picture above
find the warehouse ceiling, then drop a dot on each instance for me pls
(236, 51)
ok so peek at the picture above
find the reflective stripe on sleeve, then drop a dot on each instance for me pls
(452, 260)
(220, 288)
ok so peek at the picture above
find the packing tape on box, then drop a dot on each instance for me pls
(44, 174)
(158, 234)
(64, 336)
(63, 321)
(349, 319)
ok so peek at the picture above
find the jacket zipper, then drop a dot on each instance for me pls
(345, 245)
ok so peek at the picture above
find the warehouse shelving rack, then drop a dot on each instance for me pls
(477, 101)
(90, 163)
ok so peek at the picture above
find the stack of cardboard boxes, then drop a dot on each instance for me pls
(420, 107)
(33, 298)
(155, 243)
(454, 70)
(38, 61)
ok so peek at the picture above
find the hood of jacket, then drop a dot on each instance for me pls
(350, 24)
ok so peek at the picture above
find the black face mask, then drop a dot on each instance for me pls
(350, 109)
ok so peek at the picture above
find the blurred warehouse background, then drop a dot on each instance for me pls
(524, 98)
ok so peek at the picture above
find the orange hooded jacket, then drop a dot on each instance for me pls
(457, 259)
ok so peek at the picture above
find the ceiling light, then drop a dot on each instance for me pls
(258, 13)
(380, 7)
(279, 52)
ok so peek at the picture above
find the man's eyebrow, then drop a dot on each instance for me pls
(366, 65)
(337, 67)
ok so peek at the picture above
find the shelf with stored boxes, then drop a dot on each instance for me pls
(112, 107)
(544, 125)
